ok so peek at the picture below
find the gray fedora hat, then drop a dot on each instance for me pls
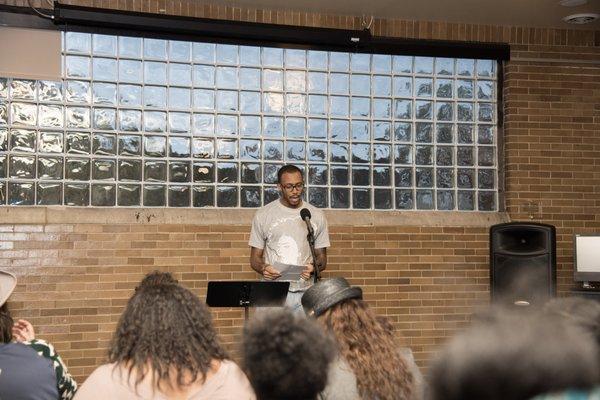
(325, 294)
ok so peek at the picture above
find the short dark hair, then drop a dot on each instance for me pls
(288, 169)
(514, 356)
(286, 356)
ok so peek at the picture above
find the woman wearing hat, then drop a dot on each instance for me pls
(30, 369)
(370, 365)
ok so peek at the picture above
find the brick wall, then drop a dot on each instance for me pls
(552, 144)
(76, 278)
(426, 271)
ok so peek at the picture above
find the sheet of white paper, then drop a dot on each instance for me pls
(289, 272)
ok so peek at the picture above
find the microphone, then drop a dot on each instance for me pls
(305, 215)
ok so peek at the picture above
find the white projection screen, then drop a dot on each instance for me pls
(587, 253)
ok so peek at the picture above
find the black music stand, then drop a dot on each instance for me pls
(246, 294)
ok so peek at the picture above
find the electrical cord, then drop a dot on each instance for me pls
(367, 25)
(38, 12)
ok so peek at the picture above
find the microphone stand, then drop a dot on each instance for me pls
(311, 243)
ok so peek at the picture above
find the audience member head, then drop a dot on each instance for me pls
(510, 355)
(7, 284)
(290, 182)
(366, 341)
(165, 331)
(158, 278)
(286, 356)
(582, 312)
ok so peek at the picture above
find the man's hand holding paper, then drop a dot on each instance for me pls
(307, 271)
(289, 272)
(270, 273)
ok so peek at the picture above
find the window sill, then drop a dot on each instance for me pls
(75, 215)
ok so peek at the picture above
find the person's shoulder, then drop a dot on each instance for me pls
(37, 342)
(341, 382)
(20, 348)
(234, 373)
(236, 380)
(104, 371)
(99, 385)
(267, 209)
(42, 347)
(106, 374)
(232, 369)
(340, 366)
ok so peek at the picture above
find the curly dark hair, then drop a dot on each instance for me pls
(167, 331)
(366, 341)
(158, 278)
(6, 324)
(286, 356)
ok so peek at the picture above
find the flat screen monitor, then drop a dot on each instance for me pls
(586, 257)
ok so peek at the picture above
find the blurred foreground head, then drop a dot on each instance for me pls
(286, 356)
(582, 312)
(514, 356)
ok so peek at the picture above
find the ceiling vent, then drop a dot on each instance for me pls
(580, 19)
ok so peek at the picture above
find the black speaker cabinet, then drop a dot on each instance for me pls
(522, 263)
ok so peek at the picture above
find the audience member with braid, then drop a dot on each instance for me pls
(165, 346)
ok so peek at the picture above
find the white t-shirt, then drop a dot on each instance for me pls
(281, 233)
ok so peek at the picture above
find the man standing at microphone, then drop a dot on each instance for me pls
(279, 235)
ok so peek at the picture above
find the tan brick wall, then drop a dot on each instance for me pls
(426, 273)
(552, 144)
(74, 279)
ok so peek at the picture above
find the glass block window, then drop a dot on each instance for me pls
(140, 122)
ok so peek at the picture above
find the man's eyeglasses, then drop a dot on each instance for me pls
(291, 187)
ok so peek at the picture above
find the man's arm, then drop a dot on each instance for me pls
(257, 262)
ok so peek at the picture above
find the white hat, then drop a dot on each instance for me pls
(7, 284)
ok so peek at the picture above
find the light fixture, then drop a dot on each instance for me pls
(572, 3)
(580, 19)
